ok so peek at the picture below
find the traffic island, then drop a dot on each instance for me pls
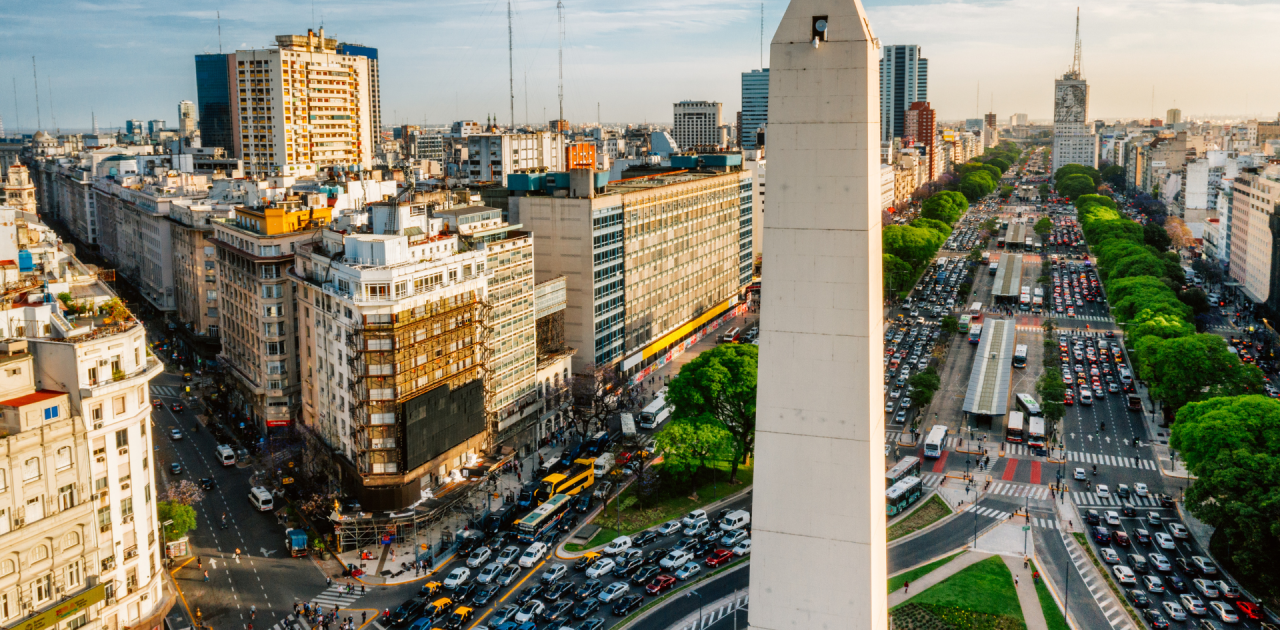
(978, 597)
(927, 513)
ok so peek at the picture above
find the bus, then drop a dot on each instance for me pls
(986, 257)
(1013, 430)
(1024, 302)
(1000, 242)
(543, 518)
(730, 336)
(904, 493)
(1029, 404)
(655, 412)
(975, 312)
(975, 333)
(1020, 355)
(992, 268)
(1035, 432)
(909, 466)
(934, 442)
(964, 323)
(579, 477)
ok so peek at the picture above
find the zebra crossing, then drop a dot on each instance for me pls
(337, 595)
(895, 436)
(1044, 523)
(1092, 499)
(1111, 460)
(986, 511)
(1019, 490)
(162, 390)
(298, 622)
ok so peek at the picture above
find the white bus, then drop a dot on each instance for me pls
(1013, 433)
(934, 442)
(1029, 404)
(655, 412)
(1020, 355)
(1035, 432)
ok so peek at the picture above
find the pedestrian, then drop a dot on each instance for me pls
(362, 588)
(1015, 581)
(199, 563)
(364, 616)
(237, 553)
(206, 576)
(1025, 562)
(295, 608)
(328, 581)
(906, 587)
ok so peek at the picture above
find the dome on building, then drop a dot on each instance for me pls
(42, 136)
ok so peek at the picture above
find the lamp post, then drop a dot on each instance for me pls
(700, 602)
(164, 537)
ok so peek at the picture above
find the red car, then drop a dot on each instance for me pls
(659, 584)
(719, 557)
(1249, 610)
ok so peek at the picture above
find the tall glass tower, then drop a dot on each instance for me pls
(904, 79)
(213, 101)
(755, 106)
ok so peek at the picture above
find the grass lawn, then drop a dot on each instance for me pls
(1052, 616)
(925, 514)
(983, 587)
(672, 500)
(897, 581)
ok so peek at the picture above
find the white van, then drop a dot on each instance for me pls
(603, 465)
(261, 499)
(619, 545)
(226, 455)
(692, 517)
(698, 527)
(736, 519)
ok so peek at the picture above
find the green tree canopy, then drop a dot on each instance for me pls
(1075, 169)
(1194, 368)
(1232, 445)
(1044, 191)
(1155, 235)
(977, 185)
(1001, 164)
(183, 517)
(1197, 299)
(719, 386)
(688, 445)
(1043, 226)
(946, 206)
(896, 272)
(950, 324)
(923, 386)
(1073, 186)
(932, 224)
(914, 245)
(1113, 175)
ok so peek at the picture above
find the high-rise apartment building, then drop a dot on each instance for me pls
(375, 82)
(755, 107)
(1173, 116)
(259, 322)
(1075, 140)
(302, 106)
(990, 120)
(920, 124)
(698, 125)
(186, 119)
(1255, 201)
(649, 261)
(195, 265)
(215, 74)
(491, 157)
(1018, 120)
(904, 79)
(154, 127)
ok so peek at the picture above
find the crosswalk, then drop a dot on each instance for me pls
(1019, 490)
(1111, 460)
(161, 390)
(1044, 523)
(1064, 318)
(337, 595)
(1029, 328)
(986, 511)
(298, 622)
(951, 443)
(1092, 499)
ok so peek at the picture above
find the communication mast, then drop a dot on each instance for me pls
(511, 65)
(1075, 62)
(560, 17)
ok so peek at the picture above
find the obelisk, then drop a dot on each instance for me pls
(818, 530)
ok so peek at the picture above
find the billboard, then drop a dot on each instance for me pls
(440, 419)
(1070, 102)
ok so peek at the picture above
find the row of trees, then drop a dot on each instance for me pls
(908, 249)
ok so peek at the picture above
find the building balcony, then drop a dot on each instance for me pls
(150, 369)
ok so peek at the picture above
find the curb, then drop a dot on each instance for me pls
(1053, 588)
(672, 592)
(936, 524)
(957, 550)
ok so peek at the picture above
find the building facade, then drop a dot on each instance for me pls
(904, 79)
(195, 266)
(697, 124)
(755, 107)
(215, 74)
(491, 157)
(1255, 199)
(19, 191)
(375, 82)
(1074, 139)
(920, 125)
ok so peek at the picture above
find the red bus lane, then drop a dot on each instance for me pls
(1010, 467)
(940, 466)
(1035, 473)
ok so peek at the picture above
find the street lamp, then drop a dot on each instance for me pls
(700, 602)
(164, 536)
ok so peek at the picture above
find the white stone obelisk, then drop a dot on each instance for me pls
(818, 530)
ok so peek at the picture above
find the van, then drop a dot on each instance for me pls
(736, 519)
(693, 517)
(729, 336)
(617, 546)
(698, 527)
(603, 465)
(226, 455)
(261, 499)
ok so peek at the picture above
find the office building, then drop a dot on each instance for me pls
(819, 412)
(1255, 201)
(698, 125)
(990, 120)
(195, 265)
(1075, 140)
(1018, 120)
(755, 107)
(687, 239)
(214, 76)
(258, 308)
(904, 79)
(375, 83)
(133, 127)
(491, 157)
(186, 119)
(920, 125)
(154, 127)
(1173, 116)
(285, 126)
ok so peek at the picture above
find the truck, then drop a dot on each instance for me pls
(296, 541)
(1133, 402)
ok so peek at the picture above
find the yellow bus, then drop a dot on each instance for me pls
(579, 476)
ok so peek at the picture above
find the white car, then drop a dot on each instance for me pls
(489, 572)
(668, 528)
(1193, 604)
(1163, 540)
(1124, 575)
(732, 538)
(530, 610)
(1103, 491)
(479, 557)
(457, 577)
(674, 559)
(1110, 556)
(689, 570)
(743, 548)
(1159, 562)
(1152, 584)
(613, 591)
(1175, 610)
(619, 545)
(1225, 612)
(1178, 530)
(1140, 489)
(693, 517)
(509, 553)
(1079, 474)
(1112, 517)
(601, 567)
(533, 554)
(554, 573)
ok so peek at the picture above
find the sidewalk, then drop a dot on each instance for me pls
(1031, 611)
(937, 575)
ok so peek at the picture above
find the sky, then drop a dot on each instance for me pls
(627, 61)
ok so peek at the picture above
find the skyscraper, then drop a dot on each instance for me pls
(990, 120)
(697, 124)
(904, 79)
(920, 124)
(755, 106)
(1173, 116)
(213, 100)
(1074, 139)
(186, 118)
(375, 88)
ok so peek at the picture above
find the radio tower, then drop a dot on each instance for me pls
(560, 17)
(511, 65)
(1075, 63)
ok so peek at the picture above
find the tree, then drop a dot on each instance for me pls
(950, 324)
(1052, 393)
(719, 386)
(183, 517)
(1075, 169)
(1049, 325)
(897, 273)
(1044, 191)
(923, 386)
(1043, 226)
(689, 444)
(1156, 236)
(1073, 186)
(977, 185)
(1180, 236)
(932, 224)
(598, 393)
(1211, 272)
(1232, 447)
(946, 206)
(1113, 175)
(1197, 299)
(1194, 368)
(184, 492)
(916, 246)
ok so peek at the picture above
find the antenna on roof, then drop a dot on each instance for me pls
(560, 17)
(511, 65)
(219, 31)
(36, 80)
(1075, 63)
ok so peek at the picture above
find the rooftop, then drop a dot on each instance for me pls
(32, 398)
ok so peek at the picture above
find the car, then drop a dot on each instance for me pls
(176, 407)
(1225, 612)
(1080, 474)
(1128, 510)
(613, 591)
(719, 557)
(1228, 590)
(743, 548)
(594, 623)
(405, 613)
(532, 555)
(1176, 583)
(588, 590)
(689, 570)
(1102, 535)
(660, 584)
(685, 544)
(557, 590)
(643, 538)
(1204, 566)
(489, 572)
(458, 618)
(675, 559)
(1160, 562)
(208, 483)
(429, 589)
(463, 593)
(1102, 491)
(508, 553)
(554, 573)
(1193, 604)
(175, 434)
(1249, 609)
(1155, 619)
(1206, 588)
(1120, 538)
(1164, 541)
(479, 557)
(1092, 517)
(457, 577)
(1185, 565)
(644, 574)
(1112, 518)
(175, 468)
(1140, 489)
(733, 537)
(586, 560)
(1141, 536)
(1152, 584)
(1138, 598)
(1153, 519)
(508, 574)
(530, 610)
(528, 594)
(157, 403)
(1124, 575)
(1175, 610)
(1177, 530)
(601, 568)
(484, 595)
(1165, 500)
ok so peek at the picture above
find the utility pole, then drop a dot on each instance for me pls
(36, 81)
(511, 64)
(762, 36)
(219, 13)
(560, 18)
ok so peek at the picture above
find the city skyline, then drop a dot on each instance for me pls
(82, 69)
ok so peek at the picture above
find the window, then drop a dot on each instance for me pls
(272, 290)
(31, 469)
(117, 404)
(122, 436)
(41, 552)
(67, 496)
(93, 376)
(126, 509)
(42, 588)
(62, 458)
(104, 518)
(4, 480)
(378, 291)
(35, 509)
(7, 567)
(70, 540)
(78, 622)
(4, 527)
(402, 289)
(131, 580)
(275, 347)
(123, 473)
(7, 608)
(96, 413)
(272, 310)
(51, 413)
